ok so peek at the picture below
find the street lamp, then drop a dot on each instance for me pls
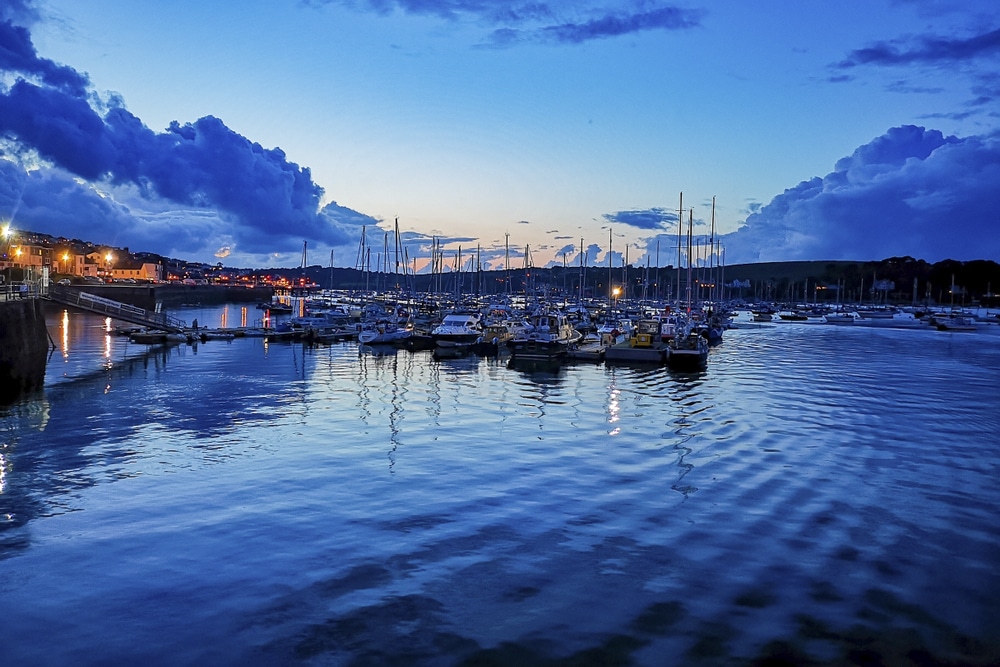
(107, 269)
(7, 233)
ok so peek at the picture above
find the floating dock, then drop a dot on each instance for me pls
(654, 354)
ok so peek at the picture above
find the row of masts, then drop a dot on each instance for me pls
(708, 256)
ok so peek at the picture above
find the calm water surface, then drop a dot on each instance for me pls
(819, 493)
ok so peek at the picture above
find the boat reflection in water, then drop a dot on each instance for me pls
(295, 503)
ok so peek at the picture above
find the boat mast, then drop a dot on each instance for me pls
(645, 281)
(610, 241)
(657, 276)
(625, 284)
(397, 249)
(690, 226)
(722, 266)
(458, 276)
(506, 262)
(680, 223)
(711, 256)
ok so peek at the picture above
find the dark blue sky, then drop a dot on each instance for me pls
(233, 133)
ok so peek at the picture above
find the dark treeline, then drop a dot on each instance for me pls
(893, 280)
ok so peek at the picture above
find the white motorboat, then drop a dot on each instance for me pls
(459, 329)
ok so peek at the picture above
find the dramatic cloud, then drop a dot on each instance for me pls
(599, 26)
(911, 192)
(620, 23)
(538, 22)
(652, 218)
(926, 50)
(17, 55)
(974, 56)
(50, 120)
(51, 200)
(201, 164)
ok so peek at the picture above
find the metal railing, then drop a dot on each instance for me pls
(115, 309)
(18, 290)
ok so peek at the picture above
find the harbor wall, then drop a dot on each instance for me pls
(24, 346)
(147, 296)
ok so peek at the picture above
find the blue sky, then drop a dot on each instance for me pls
(233, 132)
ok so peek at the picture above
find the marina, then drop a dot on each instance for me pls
(263, 503)
(480, 334)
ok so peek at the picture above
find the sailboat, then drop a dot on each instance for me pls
(688, 349)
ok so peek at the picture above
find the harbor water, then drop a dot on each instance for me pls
(819, 494)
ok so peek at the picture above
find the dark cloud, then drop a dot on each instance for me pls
(928, 49)
(60, 127)
(911, 191)
(18, 56)
(49, 118)
(537, 22)
(621, 23)
(651, 218)
(345, 217)
(199, 165)
(569, 250)
(54, 202)
(451, 10)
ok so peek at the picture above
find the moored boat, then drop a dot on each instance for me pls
(384, 331)
(841, 317)
(153, 337)
(494, 339)
(688, 352)
(955, 323)
(459, 329)
(548, 336)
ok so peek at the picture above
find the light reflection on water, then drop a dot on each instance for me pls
(821, 491)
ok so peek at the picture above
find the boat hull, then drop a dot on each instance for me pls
(687, 360)
(536, 349)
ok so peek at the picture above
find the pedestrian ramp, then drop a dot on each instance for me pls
(77, 298)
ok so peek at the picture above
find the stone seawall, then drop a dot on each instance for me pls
(147, 296)
(24, 346)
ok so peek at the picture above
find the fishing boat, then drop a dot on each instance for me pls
(687, 352)
(495, 337)
(548, 336)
